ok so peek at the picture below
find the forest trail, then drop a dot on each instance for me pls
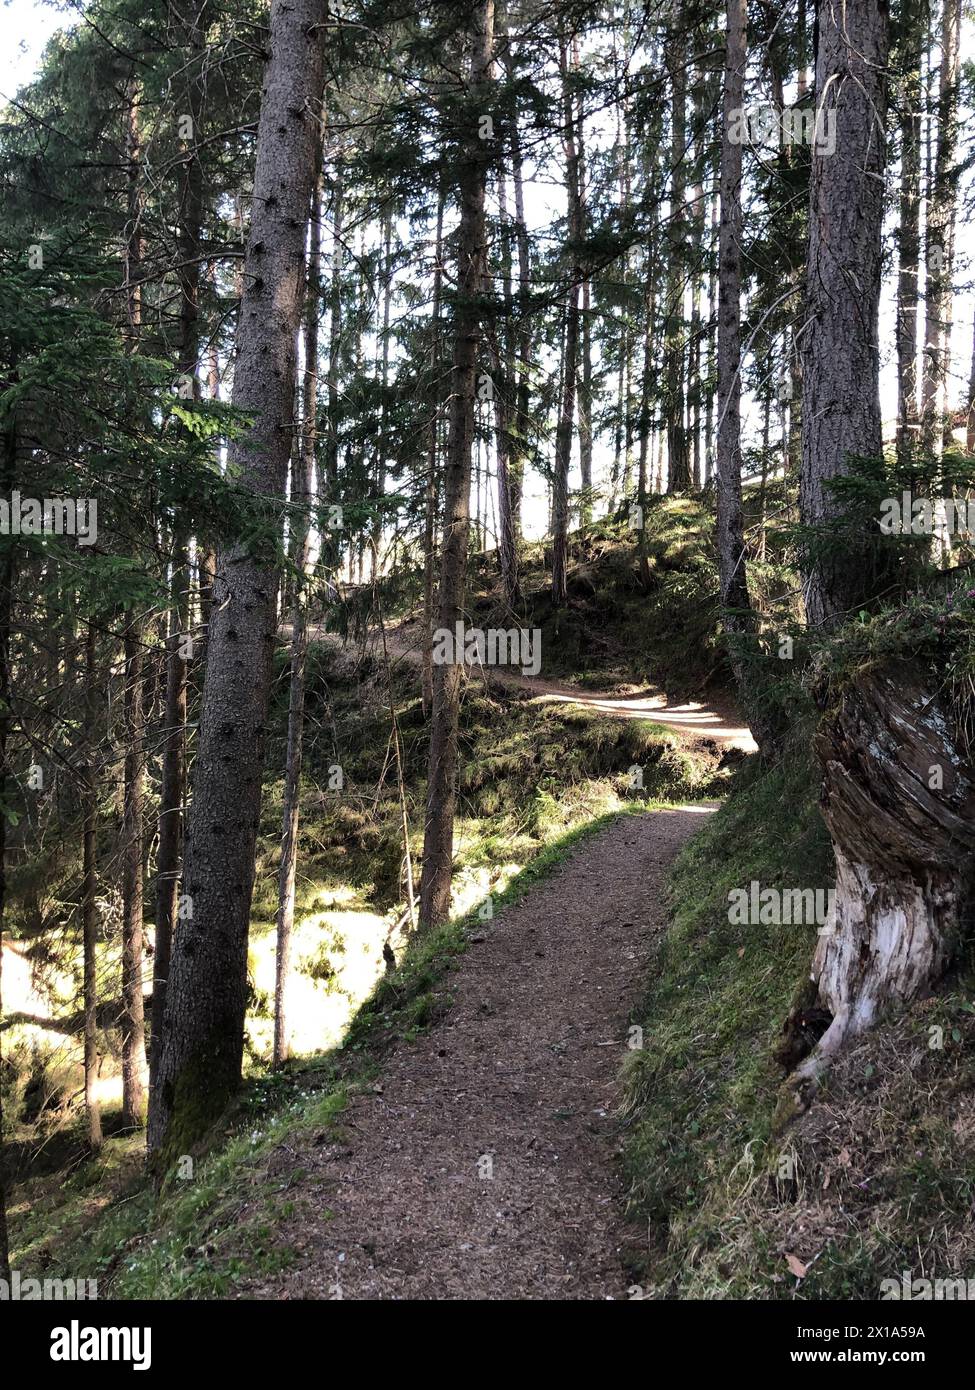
(519, 1078)
(696, 719)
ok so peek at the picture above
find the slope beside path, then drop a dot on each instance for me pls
(484, 1164)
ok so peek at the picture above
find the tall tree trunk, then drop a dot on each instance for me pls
(584, 386)
(380, 470)
(471, 254)
(132, 1021)
(523, 338)
(203, 1031)
(173, 787)
(585, 409)
(908, 231)
(330, 459)
(840, 378)
(89, 906)
(504, 379)
(299, 633)
(737, 618)
(133, 1009)
(570, 362)
(678, 462)
(433, 439)
(939, 249)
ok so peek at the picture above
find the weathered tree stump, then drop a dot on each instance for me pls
(899, 802)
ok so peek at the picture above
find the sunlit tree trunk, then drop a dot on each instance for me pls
(840, 378)
(570, 360)
(203, 1031)
(471, 263)
(908, 231)
(291, 800)
(940, 236)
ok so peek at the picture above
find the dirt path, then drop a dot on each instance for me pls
(716, 720)
(519, 1079)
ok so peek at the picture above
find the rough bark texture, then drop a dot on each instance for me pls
(133, 1010)
(173, 788)
(504, 377)
(430, 489)
(840, 390)
(89, 912)
(519, 432)
(570, 362)
(908, 231)
(171, 794)
(736, 617)
(939, 250)
(438, 837)
(905, 849)
(330, 459)
(203, 1029)
(678, 461)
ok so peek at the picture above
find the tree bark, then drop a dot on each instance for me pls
(570, 362)
(840, 378)
(504, 378)
(908, 232)
(679, 471)
(730, 524)
(203, 1030)
(433, 441)
(472, 260)
(899, 801)
(89, 909)
(133, 1010)
(299, 636)
(939, 249)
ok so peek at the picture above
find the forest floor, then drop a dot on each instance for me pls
(714, 718)
(483, 1163)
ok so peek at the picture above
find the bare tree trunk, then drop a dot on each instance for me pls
(563, 433)
(518, 454)
(132, 1022)
(678, 462)
(203, 1031)
(939, 251)
(840, 379)
(89, 907)
(737, 618)
(504, 378)
(380, 471)
(584, 387)
(585, 409)
(471, 254)
(291, 805)
(433, 435)
(330, 460)
(133, 1013)
(908, 232)
(173, 788)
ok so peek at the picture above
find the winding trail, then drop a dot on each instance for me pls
(483, 1165)
(716, 719)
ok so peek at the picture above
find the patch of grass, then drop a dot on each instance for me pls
(877, 1177)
